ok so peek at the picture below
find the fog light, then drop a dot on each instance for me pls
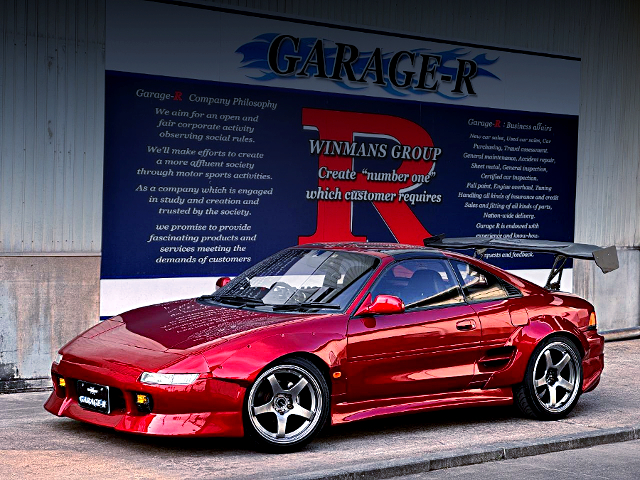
(143, 402)
(62, 382)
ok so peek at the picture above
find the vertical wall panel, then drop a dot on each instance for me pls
(51, 141)
(607, 195)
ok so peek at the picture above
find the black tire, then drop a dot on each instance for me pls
(287, 406)
(553, 381)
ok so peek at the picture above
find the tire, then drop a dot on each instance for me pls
(286, 406)
(552, 382)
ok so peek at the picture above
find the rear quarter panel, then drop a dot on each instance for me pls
(549, 314)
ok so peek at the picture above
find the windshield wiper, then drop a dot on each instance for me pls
(235, 300)
(240, 301)
(306, 305)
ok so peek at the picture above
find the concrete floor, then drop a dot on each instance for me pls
(616, 461)
(34, 443)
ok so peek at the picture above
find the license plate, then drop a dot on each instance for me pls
(93, 397)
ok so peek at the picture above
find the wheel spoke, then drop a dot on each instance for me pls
(282, 426)
(563, 363)
(568, 386)
(266, 408)
(301, 412)
(297, 388)
(552, 396)
(547, 359)
(540, 382)
(275, 386)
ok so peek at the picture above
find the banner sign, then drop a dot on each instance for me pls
(231, 136)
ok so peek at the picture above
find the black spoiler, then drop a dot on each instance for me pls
(606, 258)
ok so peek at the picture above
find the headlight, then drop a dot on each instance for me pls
(58, 358)
(168, 378)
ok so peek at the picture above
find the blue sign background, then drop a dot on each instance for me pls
(132, 126)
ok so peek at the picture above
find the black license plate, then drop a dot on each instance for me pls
(93, 397)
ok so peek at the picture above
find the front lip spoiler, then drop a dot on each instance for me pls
(202, 424)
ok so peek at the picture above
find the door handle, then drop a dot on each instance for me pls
(466, 325)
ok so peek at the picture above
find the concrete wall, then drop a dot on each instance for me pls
(616, 296)
(45, 301)
(51, 144)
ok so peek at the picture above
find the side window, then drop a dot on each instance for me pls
(477, 284)
(420, 283)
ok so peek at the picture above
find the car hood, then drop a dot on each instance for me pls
(187, 324)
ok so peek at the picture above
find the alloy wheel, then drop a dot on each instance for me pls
(285, 404)
(555, 377)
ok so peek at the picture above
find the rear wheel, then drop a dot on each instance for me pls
(287, 406)
(553, 380)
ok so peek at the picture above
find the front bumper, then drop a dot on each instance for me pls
(208, 407)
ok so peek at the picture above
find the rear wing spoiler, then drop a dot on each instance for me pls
(606, 258)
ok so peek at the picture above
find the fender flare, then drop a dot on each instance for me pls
(527, 338)
(243, 366)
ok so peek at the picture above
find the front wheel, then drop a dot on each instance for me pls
(553, 380)
(287, 406)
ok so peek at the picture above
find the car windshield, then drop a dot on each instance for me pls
(300, 279)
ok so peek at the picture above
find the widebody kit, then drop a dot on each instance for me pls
(333, 333)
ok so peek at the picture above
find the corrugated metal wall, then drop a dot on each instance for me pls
(608, 195)
(51, 143)
(52, 92)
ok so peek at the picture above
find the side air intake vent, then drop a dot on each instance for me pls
(511, 290)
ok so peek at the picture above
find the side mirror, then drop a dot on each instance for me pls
(222, 281)
(381, 305)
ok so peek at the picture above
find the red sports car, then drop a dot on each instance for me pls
(335, 333)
